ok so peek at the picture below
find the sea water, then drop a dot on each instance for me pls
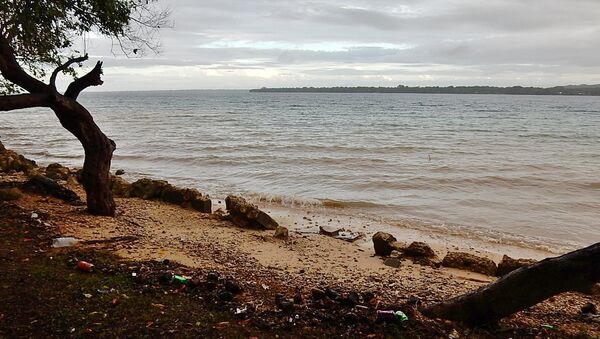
(522, 168)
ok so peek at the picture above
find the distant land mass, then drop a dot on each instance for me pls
(514, 90)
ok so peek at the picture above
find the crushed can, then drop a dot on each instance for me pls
(392, 316)
(85, 266)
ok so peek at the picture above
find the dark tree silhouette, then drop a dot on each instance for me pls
(36, 35)
(577, 271)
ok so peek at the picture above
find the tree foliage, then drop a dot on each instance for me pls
(39, 35)
(42, 33)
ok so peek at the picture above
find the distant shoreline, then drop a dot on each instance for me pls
(571, 90)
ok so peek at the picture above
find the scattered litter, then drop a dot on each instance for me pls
(85, 266)
(34, 215)
(391, 316)
(180, 280)
(87, 295)
(349, 236)
(239, 311)
(340, 233)
(265, 287)
(64, 242)
(548, 327)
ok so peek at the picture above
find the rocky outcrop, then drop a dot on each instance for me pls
(148, 189)
(120, 187)
(11, 161)
(509, 264)
(245, 214)
(469, 262)
(161, 190)
(419, 249)
(57, 172)
(43, 185)
(384, 243)
(201, 203)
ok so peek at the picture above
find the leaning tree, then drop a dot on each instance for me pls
(38, 42)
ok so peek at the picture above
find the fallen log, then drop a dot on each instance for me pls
(577, 271)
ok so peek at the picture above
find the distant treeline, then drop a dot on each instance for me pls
(514, 90)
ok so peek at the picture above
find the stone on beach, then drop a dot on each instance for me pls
(281, 233)
(43, 185)
(57, 172)
(120, 187)
(419, 249)
(12, 161)
(385, 243)
(469, 262)
(509, 264)
(392, 262)
(245, 214)
(149, 189)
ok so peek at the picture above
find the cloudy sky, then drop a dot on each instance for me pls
(249, 44)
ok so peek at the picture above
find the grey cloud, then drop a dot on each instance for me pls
(470, 38)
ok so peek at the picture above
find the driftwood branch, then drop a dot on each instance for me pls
(19, 101)
(65, 66)
(577, 271)
(92, 78)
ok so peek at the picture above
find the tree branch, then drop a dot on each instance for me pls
(576, 271)
(64, 67)
(90, 79)
(19, 101)
(12, 71)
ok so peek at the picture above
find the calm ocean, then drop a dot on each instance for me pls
(518, 167)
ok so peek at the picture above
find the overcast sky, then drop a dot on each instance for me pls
(249, 44)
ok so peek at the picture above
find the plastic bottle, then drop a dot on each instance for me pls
(64, 242)
(179, 279)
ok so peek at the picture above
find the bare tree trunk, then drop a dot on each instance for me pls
(576, 271)
(72, 115)
(98, 154)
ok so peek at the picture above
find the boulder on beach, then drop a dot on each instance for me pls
(161, 190)
(419, 249)
(43, 185)
(147, 188)
(469, 262)
(201, 203)
(120, 187)
(245, 214)
(57, 172)
(384, 243)
(12, 161)
(392, 262)
(509, 264)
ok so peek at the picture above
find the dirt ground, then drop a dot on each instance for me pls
(130, 293)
